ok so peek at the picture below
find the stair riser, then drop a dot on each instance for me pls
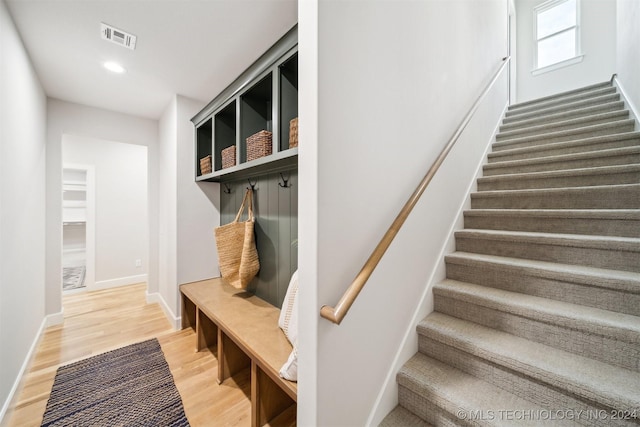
(568, 115)
(558, 127)
(558, 101)
(545, 331)
(580, 198)
(514, 117)
(546, 394)
(535, 141)
(425, 409)
(592, 257)
(548, 285)
(589, 226)
(546, 151)
(583, 180)
(622, 158)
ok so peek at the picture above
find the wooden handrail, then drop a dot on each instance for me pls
(337, 313)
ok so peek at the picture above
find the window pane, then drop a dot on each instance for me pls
(556, 19)
(557, 48)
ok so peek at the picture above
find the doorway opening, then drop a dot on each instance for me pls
(105, 218)
(78, 236)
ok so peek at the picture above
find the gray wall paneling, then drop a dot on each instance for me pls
(276, 211)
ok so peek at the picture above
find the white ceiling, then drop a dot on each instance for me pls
(193, 48)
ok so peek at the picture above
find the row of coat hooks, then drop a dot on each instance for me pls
(252, 185)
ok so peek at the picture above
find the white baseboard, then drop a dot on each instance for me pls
(176, 321)
(114, 283)
(630, 105)
(52, 319)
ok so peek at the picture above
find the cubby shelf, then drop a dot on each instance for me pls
(264, 97)
(277, 162)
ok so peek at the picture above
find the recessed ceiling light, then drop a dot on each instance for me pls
(115, 67)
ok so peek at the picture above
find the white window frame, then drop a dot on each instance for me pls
(564, 63)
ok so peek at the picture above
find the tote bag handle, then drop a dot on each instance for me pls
(248, 201)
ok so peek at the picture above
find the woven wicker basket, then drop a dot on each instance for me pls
(259, 145)
(229, 157)
(205, 165)
(293, 133)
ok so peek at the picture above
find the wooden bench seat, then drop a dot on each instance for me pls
(244, 328)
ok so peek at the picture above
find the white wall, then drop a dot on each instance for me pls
(65, 118)
(167, 209)
(187, 210)
(22, 207)
(628, 49)
(197, 204)
(394, 79)
(598, 29)
(121, 226)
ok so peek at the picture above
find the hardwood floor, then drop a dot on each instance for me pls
(95, 322)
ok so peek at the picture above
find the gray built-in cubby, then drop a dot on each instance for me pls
(256, 111)
(204, 141)
(225, 132)
(264, 97)
(288, 72)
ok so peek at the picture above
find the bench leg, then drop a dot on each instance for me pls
(188, 313)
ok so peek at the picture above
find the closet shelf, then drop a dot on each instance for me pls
(75, 222)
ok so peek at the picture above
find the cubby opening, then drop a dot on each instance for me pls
(204, 142)
(256, 112)
(288, 97)
(225, 132)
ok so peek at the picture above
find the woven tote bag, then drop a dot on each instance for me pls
(237, 253)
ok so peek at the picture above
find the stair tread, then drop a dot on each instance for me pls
(578, 112)
(590, 379)
(598, 170)
(624, 151)
(625, 214)
(564, 133)
(458, 392)
(610, 115)
(565, 144)
(401, 417)
(579, 240)
(525, 114)
(624, 327)
(529, 191)
(568, 96)
(625, 281)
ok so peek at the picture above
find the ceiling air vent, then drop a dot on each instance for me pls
(118, 36)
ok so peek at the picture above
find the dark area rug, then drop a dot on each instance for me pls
(130, 386)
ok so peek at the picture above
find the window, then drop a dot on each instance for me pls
(556, 32)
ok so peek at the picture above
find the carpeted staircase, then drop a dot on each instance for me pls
(539, 316)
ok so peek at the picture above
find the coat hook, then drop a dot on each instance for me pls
(227, 188)
(252, 185)
(285, 182)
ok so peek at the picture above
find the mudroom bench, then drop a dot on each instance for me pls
(244, 330)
